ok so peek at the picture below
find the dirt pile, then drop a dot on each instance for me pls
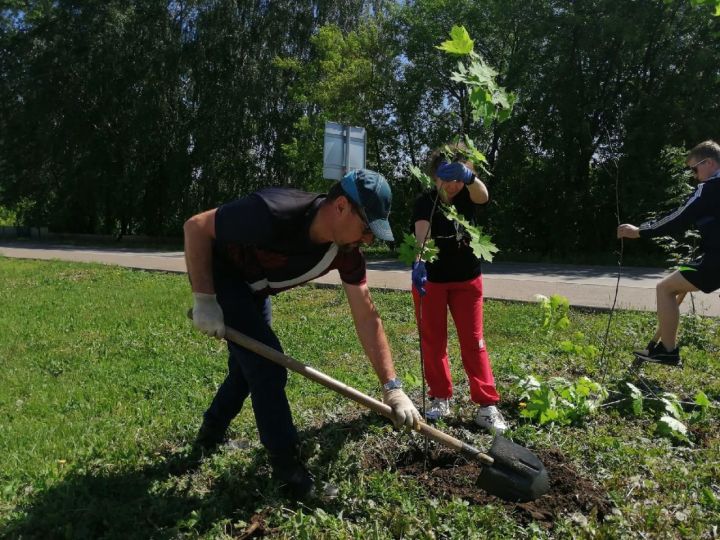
(445, 474)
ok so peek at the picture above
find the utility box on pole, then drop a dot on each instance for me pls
(343, 150)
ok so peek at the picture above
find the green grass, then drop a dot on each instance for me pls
(104, 382)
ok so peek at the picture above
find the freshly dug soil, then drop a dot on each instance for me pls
(446, 474)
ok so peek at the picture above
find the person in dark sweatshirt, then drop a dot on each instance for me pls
(244, 252)
(702, 212)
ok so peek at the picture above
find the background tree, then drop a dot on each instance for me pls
(127, 117)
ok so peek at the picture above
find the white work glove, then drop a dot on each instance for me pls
(404, 412)
(208, 315)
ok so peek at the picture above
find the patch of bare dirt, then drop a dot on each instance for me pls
(447, 474)
(702, 435)
(257, 528)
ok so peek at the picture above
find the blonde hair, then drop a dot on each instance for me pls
(706, 150)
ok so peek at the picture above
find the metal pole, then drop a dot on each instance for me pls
(346, 149)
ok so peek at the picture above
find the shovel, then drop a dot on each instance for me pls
(509, 471)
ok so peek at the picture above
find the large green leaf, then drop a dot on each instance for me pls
(672, 405)
(409, 250)
(424, 179)
(637, 398)
(475, 155)
(481, 243)
(701, 399)
(481, 73)
(460, 42)
(672, 427)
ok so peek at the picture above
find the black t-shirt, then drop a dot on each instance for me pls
(264, 239)
(456, 260)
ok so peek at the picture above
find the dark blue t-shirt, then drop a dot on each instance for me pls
(264, 239)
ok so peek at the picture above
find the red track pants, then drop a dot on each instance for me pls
(464, 298)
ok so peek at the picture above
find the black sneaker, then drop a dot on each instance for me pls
(660, 355)
(294, 479)
(298, 484)
(650, 349)
(210, 436)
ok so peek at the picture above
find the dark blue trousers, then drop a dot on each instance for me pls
(251, 374)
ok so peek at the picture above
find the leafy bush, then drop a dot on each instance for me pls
(586, 351)
(559, 400)
(7, 217)
(553, 312)
(555, 317)
(671, 417)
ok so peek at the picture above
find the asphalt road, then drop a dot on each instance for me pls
(588, 286)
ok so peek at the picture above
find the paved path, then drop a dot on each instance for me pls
(589, 286)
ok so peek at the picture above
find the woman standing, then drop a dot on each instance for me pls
(454, 281)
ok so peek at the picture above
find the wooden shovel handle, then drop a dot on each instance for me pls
(341, 388)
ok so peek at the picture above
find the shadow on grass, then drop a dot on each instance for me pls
(126, 504)
(164, 500)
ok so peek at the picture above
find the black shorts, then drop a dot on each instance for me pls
(704, 273)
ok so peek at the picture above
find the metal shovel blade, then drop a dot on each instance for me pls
(516, 475)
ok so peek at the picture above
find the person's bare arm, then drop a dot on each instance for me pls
(422, 227)
(370, 331)
(626, 230)
(199, 234)
(372, 337)
(478, 191)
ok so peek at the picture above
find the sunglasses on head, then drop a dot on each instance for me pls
(694, 168)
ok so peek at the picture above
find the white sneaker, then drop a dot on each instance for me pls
(438, 408)
(491, 418)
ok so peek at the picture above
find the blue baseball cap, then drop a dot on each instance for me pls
(371, 192)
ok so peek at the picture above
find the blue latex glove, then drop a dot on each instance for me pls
(455, 172)
(419, 276)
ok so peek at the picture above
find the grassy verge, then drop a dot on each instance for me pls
(104, 383)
